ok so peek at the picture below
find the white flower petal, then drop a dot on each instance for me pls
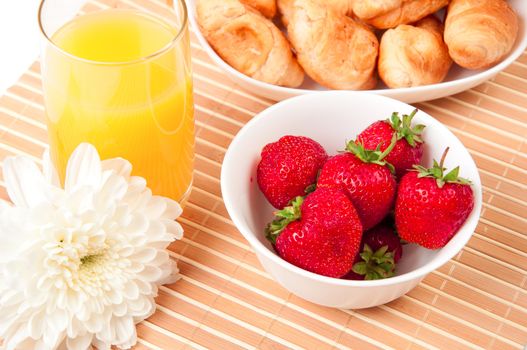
(156, 231)
(58, 320)
(14, 233)
(24, 182)
(137, 198)
(124, 329)
(48, 169)
(155, 207)
(53, 338)
(144, 255)
(40, 345)
(135, 267)
(80, 343)
(131, 291)
(173, 210)
(171, 273)
(79, 200)
(144, 287)
(84, 168)
(120, 310)
(162, 257)
(139, 306)
(152, 273)
(174, 228)
(94, 324)
(75, 328)
(119, 166)
(113, 190)
(107, 333)
(131, 342)
(17, 339)
(36, 323)
(102, 345)
(137, 226)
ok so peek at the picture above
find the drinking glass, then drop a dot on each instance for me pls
(117, 74)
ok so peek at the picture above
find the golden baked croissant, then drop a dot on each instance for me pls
(249, 42)
(373, 8)
(285, 8)
(414, 55)
(265, 7)
(480, 33)
(344, 7)
(386, 14)
(333, 49)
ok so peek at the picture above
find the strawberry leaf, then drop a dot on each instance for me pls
(375, 265)
(404, 130)
(437, 171)
(372, 156)
(452, 175)
(360, 268)
(283, 218)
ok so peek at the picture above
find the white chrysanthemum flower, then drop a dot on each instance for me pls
(81, 265)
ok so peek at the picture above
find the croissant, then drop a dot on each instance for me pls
(414, 55)
(265, 7)
(384, 14)
(373, 8)
(249, 42)
(480, 33)
(334, 50)
(343, 7)
(285, 8)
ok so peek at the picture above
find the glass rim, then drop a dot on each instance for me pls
(157, 53)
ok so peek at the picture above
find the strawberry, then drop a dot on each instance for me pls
(409, 147)
(320, 233)
(380, 250)
(431, 206)
(365, 177)
(287, 167)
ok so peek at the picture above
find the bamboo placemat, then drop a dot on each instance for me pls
(225, 300)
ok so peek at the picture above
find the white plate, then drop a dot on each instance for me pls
(458, 79)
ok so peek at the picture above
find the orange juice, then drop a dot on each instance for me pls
(121, 80)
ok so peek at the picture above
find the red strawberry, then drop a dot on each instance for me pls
(380, 250)
(287, 167)
(365, 177)
(409, 147)
(320, 233)
(430, 206)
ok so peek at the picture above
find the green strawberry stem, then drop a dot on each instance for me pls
(313, 186)
(283, 218)
(443, 157)
(310, 188)
(437, 171)
(404, 130)
(375, 265)
(372, 156)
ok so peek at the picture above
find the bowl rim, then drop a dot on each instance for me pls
(445, 85)
(258, 246)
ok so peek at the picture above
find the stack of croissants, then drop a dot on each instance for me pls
(346, 44)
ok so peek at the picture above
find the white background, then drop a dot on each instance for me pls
(19, 39)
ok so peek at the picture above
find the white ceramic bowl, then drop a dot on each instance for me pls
(331, 118)
(458, 79)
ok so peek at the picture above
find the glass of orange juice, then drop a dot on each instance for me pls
(117, 74)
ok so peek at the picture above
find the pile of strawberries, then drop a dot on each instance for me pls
(344, 216)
